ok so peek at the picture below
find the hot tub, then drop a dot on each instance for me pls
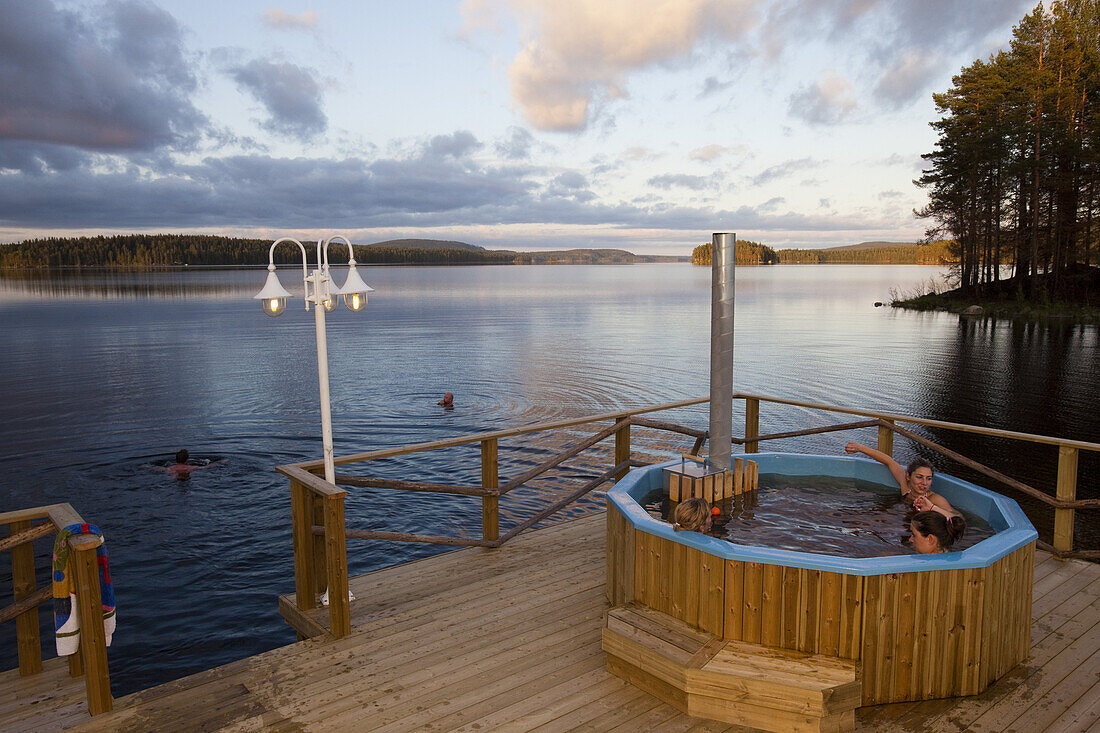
(923, 626)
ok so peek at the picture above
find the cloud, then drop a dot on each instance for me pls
(517, 146)
(907, 77)
(827, 101)
(669, 180)
(282, 20)
(115, 78)
(784, 170)
(708, 153)
(456, 145)
(577, 54)
(290, 93)
(711, 85)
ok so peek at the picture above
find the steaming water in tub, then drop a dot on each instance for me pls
(829, 515)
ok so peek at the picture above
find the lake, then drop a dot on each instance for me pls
(104, 373)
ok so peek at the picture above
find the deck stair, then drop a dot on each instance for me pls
(730, 681)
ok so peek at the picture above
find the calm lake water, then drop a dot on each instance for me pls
(104, 373)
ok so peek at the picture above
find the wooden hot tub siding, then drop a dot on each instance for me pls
(918, 635)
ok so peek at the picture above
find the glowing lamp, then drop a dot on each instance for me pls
(354, 289)
(273, 296)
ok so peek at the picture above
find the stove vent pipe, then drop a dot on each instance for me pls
(722, 261)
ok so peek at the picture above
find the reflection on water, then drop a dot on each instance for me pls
(106, 372)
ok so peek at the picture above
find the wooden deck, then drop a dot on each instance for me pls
(509, 639)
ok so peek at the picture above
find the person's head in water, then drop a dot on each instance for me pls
(182, 456)
(692, 515)
(918, 474)
(933, 532)
(447, 401)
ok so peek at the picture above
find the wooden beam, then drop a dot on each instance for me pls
(752, 425)
(810, 431)
(336, 567)
(561, 457)
(886, 438)
(386, 483)
(622, 447)
(301, 520)
(23, 585)
(27, 535)
(1066, 490)
(490, 481)
(93, 645)
(559, 505)
(431, 539)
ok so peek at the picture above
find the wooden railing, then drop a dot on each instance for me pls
(91, 660)
(320, 534)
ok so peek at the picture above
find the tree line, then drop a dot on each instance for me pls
(1012, 178)
(153, 250)
(753, 253)
(744, 253)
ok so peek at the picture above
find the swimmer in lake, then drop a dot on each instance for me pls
(915, 481)
(692, 515)
(934, 532)
(448, 401)
(183, 468)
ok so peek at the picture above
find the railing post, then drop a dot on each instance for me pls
(490, 479)
(886, 439)
(320, 572)
(1065, 489)
(336, 565)
(93, 643)
(752, 424)
(622, 447)
(26, 623)
(301, 518)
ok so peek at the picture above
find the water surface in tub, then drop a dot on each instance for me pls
(828, 515)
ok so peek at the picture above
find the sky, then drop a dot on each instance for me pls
(643, 125)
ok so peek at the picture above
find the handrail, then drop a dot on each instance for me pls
(960, 427)
(84, 567)
(310, 493)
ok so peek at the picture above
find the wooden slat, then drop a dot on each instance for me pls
(14, 539)
(23, 586)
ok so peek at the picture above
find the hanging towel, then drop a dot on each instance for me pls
(66, 622)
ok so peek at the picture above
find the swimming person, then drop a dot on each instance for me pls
(448, 401)
(692, 515)
(183, 468)
(935, 532)
(915, 480)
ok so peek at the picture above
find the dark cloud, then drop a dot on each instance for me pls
(419, 190)
(456, 145)
(517, 146)
(290, 93)
(682, 180)
(116, 79)
(827, 101)
(783, 170)
(711, 85)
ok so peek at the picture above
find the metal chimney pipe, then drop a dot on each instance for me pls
(722, 260)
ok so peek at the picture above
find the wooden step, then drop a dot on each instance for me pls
(730, 681)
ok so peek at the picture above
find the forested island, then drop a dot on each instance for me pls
(1012, 179)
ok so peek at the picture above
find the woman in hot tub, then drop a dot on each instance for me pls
(915, 481)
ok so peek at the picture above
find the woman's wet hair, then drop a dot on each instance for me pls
(945, 530)
(918, 463)
(691, 515)
(182, 456)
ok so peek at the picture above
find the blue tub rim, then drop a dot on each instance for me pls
(1013, 530)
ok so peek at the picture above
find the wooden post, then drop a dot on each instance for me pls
(317, 507)
(26, 623)
(76, 664)
(301, 517)
(622, 447)
(752, 424)
(336, 566)
(886, 439)
(1066, 489)
(93, 644)
(490, 479)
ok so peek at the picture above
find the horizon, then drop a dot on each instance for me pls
(560, 124)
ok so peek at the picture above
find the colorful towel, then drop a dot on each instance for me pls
(66, 621)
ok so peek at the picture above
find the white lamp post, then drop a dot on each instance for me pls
(319, 291)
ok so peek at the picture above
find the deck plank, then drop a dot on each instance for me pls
(509, 639)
